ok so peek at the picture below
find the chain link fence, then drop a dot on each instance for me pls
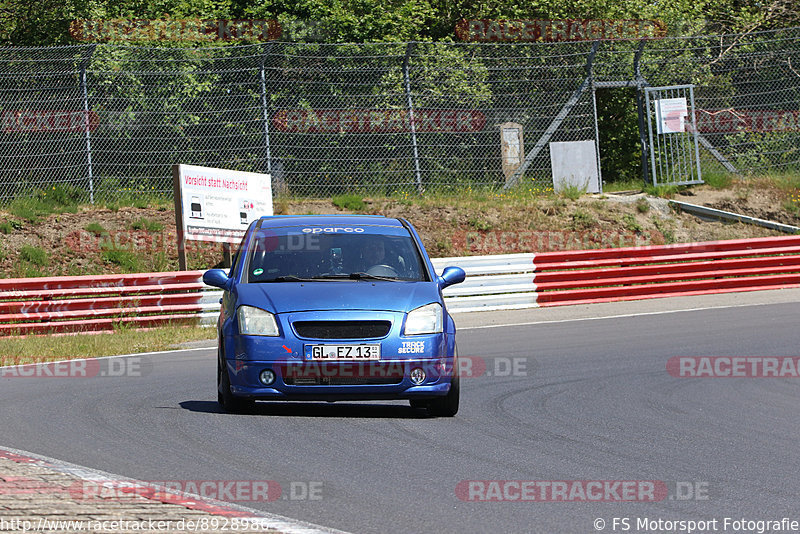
(374, 119)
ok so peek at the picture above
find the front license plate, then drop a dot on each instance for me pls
(343, 352)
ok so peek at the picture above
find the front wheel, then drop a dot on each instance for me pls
(225, 398)
(447, 406)
(418, 404)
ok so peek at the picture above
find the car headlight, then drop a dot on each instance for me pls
(256, 322)
(424, 320)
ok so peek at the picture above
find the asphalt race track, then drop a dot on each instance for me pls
(590, 400)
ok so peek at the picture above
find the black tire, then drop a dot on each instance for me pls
(225, 398)
(419, 404)
(447, 406)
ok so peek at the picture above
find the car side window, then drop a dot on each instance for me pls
(237, 259)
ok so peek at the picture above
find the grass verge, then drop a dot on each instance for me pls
(17, 350)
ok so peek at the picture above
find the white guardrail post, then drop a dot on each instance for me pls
(498, 282)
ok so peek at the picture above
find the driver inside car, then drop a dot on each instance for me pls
(373, 252)
(374, 259)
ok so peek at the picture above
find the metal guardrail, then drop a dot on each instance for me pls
(586, 276)
(511, 281)
(99, 303)
(712, 214)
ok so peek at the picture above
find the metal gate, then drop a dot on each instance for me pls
(674, 150)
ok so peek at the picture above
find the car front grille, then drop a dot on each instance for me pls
(343, 381)
(342, 329)
(343, 373)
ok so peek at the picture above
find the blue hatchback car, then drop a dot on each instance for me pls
(335, 307)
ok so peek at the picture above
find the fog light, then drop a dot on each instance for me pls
(267, 377)
(417, 376)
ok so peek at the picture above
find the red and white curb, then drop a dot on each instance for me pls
(193, 502)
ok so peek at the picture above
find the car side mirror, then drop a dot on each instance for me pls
(451, 276)
(216, 278)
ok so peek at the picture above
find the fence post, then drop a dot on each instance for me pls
(265, 107)
(409, 48)
(85, 92)
(641, 83)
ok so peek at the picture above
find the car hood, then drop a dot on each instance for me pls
(283, 297)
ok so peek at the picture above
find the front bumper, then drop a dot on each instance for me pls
(341, 380)
(297, 377)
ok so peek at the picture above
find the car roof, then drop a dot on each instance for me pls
(275, 221)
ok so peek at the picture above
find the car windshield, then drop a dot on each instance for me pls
(292, 255)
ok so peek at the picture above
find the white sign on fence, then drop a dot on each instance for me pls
(671, 114)
(219, 204)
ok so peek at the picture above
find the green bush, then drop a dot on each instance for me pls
(57, 199)
(64, 196)
(662, 191)
(582, 220)
(96, 228)
(9, 226)
(630, 223)
(479, 223)
(349, 201)
(718, 180)
(618, 129)
(147, 224)
(28, 209)
(128, 261)
(34, 255)
(669, 235)
(572, 192)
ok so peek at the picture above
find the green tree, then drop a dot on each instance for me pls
(46, 22)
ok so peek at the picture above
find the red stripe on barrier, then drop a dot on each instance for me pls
(680, 287)
(667, 250)
(640, 260)
(58, 306)
(670, 277)
(98, 291)
(106, 280)
(576, 302)
(96, 303)
(563, 277)
(663, 268)
(79, 314)
(95, 325)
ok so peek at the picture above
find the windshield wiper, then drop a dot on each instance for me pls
(367, 276)
(288, 278)
(351, 276)
(295, 278)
